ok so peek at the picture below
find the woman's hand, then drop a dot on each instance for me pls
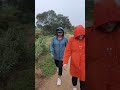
(52, 55)
(65, 67)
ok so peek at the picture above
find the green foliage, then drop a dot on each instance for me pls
(47, 66)
(21, 79)
(40, 44)
(69, 31)
(40, 47)
(9, 51)
(38, 33)
(49, 21)
(16, 49)
(42, 54)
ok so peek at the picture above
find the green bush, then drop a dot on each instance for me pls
(16, 53)
(42, 54)
(38, 33)
(70, 31)
(40, 47)
(47, 66)
(9, 51)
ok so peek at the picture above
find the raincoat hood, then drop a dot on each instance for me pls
(106, 11)
(60, 29)
(79, 30)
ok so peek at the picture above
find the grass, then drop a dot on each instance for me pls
(40, 47)
(47, 66)
(44, 61)
(69, 32)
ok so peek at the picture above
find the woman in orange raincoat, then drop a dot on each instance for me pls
(76, 50)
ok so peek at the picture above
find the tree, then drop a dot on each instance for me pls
(16, 51)
(63, 21)
(49, 21)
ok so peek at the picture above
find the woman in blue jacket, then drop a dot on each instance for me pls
(57, 48)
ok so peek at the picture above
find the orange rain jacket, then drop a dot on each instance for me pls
(76, 49)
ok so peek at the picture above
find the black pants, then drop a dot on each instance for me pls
(59, 64)
(82, 83)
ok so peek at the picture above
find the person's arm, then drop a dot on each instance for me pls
(67, 53)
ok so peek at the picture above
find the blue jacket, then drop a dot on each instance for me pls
(57, 47)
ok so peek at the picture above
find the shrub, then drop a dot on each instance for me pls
(40, 47)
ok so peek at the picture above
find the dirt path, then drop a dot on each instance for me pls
(50, 84)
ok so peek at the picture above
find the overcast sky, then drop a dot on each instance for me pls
(74, 9)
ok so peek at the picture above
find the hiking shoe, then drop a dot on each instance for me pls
(57, 69)
(74, 88)
(59, 82)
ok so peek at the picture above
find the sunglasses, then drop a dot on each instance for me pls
(59, 32)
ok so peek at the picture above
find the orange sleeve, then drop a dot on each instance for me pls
(67, 52)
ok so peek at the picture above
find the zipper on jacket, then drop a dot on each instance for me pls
(59, 49)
